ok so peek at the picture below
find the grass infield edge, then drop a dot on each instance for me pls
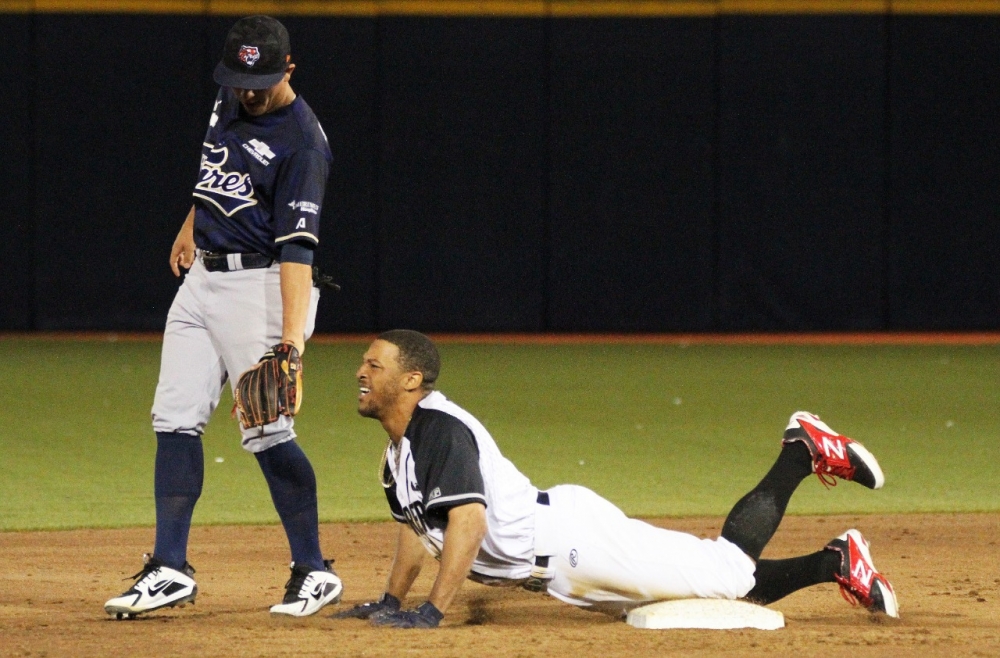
(807, 338)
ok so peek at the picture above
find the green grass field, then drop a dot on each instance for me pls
(658, 429)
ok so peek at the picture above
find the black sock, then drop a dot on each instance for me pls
(777, 579)
(178, 477)
(292, 482)
(754, 519)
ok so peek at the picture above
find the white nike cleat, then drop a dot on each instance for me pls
(156, 586)
(307, 591)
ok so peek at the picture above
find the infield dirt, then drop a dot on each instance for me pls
(945, 568)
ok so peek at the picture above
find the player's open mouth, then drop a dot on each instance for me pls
(364, 391)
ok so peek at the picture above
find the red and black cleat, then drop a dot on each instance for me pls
(833, 454)
(860, 582)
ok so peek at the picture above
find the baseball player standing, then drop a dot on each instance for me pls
(467, 505)
(248, 242)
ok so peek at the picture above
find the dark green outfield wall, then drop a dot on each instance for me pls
(703, 173)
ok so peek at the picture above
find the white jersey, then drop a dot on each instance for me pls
(447, 458)
(597, 557)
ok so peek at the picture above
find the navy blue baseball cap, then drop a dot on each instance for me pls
(256, 54)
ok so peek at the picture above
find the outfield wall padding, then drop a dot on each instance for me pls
(945, 158)
(801, 172)
(461, 173)
(631, 183)
(532, 173)
(117, 146)
(17, 294)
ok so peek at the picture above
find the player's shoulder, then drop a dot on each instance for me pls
(312, 135)
(437, 401)
(438, 421)
(225, 108)
(439, 408)
(429, 420)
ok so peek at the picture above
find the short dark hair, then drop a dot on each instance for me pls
(416, 354)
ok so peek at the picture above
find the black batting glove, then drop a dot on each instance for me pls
(387, 604)
(425, 616)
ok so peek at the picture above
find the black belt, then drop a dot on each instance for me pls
(233, 262)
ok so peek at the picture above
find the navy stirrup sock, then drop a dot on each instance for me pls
(292, 482)
(178, 474)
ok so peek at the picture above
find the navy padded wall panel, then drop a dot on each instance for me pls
(631, 183)
(521, 174)
(801, 172)
(461, 174)
(945, 225)
(119, 128)
(16, 160)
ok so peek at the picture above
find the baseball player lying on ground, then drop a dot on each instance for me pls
(462, 501)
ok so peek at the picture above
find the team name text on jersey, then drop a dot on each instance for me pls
(228, 191)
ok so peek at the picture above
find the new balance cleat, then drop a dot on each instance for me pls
(156, 586)
(307, 591)
(860, 582)
(833, 454)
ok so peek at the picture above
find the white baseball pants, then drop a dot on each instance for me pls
(606, 561)
(219, 325)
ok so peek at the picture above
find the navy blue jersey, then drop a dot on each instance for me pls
(262, 178)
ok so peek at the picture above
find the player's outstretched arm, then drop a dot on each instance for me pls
(462, 539)
(406, 566)
(405, 569)
(296, 294)
(182, 253)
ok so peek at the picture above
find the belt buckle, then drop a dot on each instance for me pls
(212, 260)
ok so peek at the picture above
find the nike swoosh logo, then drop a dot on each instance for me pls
(159, 587)
(320, 590)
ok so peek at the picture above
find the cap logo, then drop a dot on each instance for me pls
(249, 55)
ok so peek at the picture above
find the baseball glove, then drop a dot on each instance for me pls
(271, 388)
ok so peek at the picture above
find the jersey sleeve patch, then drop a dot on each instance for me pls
(298, 202)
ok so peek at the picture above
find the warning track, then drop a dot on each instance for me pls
(826, 338)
